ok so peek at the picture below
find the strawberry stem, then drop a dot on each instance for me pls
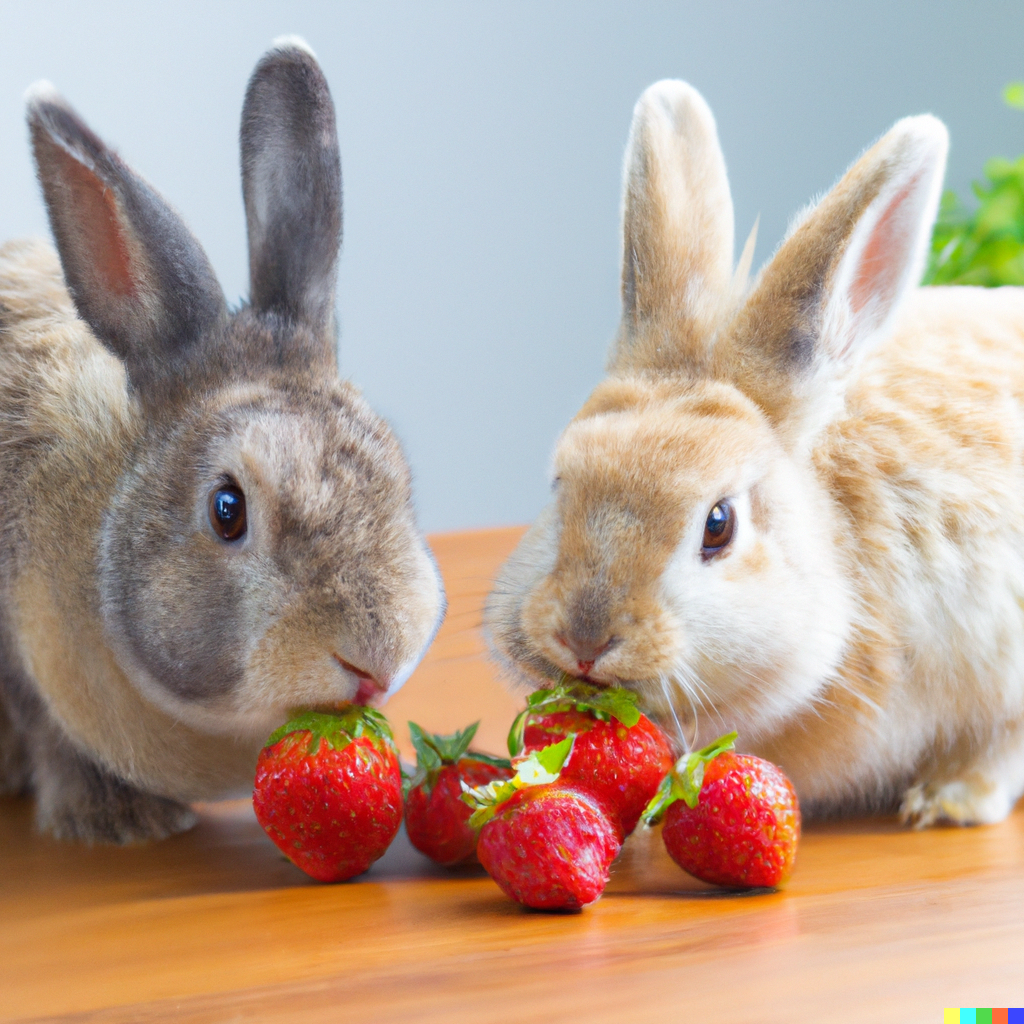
(685, 780)
(338, 730)
(540, 768)
(433, 752)
(571, 694)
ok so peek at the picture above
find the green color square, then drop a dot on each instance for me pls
(983, 1016)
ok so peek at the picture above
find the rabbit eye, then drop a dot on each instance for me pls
(227, 512)
(719, 528)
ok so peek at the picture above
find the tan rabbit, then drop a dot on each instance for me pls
(796, 510)
(202, 527)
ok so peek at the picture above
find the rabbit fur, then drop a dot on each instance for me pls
(864, 627)
(143, 658)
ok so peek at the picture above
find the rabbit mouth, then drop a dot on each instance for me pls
(368, 689)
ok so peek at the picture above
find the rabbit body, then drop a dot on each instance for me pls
(203, 528)
(794, 510)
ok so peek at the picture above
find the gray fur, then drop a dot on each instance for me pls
(291, 181)
(168, 298)
(173, 653)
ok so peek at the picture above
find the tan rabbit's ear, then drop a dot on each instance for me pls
(677, 229)
(833, 287)
(137, 275)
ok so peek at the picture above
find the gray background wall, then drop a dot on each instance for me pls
(481, 148)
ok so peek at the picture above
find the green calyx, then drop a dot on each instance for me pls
(338, 729)
(433, 752)
(537, 769)
(685, 780)
(569, 694)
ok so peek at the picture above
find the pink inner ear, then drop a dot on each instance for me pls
(108, 251)
(884, 258)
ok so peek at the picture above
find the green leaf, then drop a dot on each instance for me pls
(432, 747)
(515, 734)
(434, 751)
(337, 729)
(984, 245)
(1013, 95)
(550, 759)
(571, 694)
(685, 780)
(494, 762)
(428, 759)
(540, 768)
(485, 800)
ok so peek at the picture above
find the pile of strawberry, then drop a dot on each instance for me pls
(548, 836)
(586, 767)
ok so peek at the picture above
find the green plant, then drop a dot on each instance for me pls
(983, 246)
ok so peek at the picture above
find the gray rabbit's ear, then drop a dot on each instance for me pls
(137, 275)
(291, 183)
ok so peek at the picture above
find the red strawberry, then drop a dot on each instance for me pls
(730, 819)
(547, 843)
(620, 755)
(328, 791)
(436, 816)
(550, 847)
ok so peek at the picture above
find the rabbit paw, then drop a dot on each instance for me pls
(15, 774)
(77, 800)
(969, 801)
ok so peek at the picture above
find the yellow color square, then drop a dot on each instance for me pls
(951, 1015)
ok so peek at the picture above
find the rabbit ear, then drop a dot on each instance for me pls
(137, 275)
(677, 222)
(291, 182)
(832, 289)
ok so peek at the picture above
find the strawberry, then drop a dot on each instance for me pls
(731, 819)
(547, 843)
(328, 791)
(620, 756)
(436, 817)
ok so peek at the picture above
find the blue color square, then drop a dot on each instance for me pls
(1015, 1015)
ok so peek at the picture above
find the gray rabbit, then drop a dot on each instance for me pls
(203, 528)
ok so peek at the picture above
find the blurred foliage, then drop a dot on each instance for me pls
(984, 245)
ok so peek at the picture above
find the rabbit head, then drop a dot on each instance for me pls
(260, 552)
(689, 551)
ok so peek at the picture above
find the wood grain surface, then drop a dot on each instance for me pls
(877, 923)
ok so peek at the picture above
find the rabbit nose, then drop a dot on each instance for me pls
(587, 651)
(370, 687)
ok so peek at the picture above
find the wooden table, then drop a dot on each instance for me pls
(877, 924)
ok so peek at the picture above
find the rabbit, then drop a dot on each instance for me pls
(795, 509)
(203, 527)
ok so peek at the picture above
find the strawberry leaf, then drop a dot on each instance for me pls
(540, 768)
(433, 752)
(337, 730)
(494, 762)
(571, 694)
(428, 757)
(685, 780)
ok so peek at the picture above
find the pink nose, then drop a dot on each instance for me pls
(586, 651)
(370, 688)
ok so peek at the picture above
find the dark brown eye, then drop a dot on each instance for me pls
(227, 512)
(719, 528)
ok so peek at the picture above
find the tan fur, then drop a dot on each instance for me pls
(865, 627)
